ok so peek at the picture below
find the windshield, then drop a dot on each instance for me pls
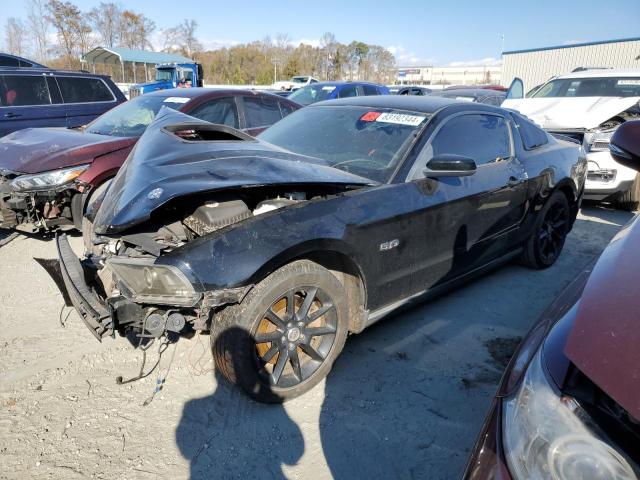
(299, 79)
(312, 93)
(133, 117)
(365, 141)
(590, 87)
(164, 74)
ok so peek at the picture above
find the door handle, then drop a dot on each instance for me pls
(12, 115)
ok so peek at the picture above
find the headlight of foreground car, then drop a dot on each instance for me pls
(547, 435)
(154, 284)
(46, 180)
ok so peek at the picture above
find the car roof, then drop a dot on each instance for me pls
(604, 72)
(415, 103)
(338, 83)
(49, 71)
(200, 91)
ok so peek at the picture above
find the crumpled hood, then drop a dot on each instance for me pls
(571, 112)
(604, 342)
(163, 166)
(36, 150)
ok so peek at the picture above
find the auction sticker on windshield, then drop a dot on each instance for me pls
(176, 100)
(400, 119)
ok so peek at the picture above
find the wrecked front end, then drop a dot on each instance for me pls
(41, 201)
(185, 183)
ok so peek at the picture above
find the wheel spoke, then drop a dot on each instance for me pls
(275, 319)
(303, 311)
(280, 364)
(266, 358)
(317, 331)
(312, 352)
(267, 337)
(291, 302)
(295, 363)
(318, 313)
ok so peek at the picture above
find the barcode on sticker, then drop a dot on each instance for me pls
(400, 119)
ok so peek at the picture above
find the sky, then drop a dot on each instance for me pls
(457, 32)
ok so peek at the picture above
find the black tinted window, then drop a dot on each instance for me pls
(261, 111)
(22, 90)
(83, 90)
(485, 138)
(532, 135)
(348, 91)
(9, 61)
(221, 111)
(370, 90)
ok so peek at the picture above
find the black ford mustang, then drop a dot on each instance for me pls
(338, 214)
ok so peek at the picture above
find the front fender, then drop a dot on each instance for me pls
(245, 253)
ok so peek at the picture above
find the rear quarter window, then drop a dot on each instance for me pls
(532, 135)
(261, 111)
(84, 90)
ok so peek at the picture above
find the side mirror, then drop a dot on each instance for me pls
(516, 89)
(450, 165)
(625, 144)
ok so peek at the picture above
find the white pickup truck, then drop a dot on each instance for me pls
(294, 84)
(588, 105)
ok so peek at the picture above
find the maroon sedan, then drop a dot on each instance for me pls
(48, 176)
(569, 403)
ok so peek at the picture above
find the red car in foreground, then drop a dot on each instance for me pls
(49, 176)
(568, 406)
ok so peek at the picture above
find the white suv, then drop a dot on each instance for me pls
(294, 84)
(588, 105)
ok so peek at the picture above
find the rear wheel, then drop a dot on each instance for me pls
(549, 233)
(630, 200)
(283, 338)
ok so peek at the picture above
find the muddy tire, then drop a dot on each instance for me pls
(283, 338)
(629, 200)
(549, 233)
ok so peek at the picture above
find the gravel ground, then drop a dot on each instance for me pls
(404, 400)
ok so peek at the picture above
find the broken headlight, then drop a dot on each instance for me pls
(548, 435)
(600, 139)
(45, 180)
(154, 284)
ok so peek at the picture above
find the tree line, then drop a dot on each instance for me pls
(260, 62)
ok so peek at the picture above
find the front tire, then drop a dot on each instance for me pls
(549, 233)
(283, 338)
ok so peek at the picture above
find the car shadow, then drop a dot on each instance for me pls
(227, 435)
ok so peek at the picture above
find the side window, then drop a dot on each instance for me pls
(23, 90)
(348, 91)
(6, 61)
(370, 90)
(83, 90)
(313, 81)
(485, 138)
(221, 111)
(286, 109)
(532, 135)
(261, 111)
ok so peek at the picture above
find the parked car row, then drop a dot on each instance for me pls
(281, 230)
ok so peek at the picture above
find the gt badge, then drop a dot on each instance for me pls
(389, 245)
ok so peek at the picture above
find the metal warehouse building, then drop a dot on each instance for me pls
(537, 65)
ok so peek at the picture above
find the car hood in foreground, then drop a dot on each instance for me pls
(164, 166)
(36, 150)
(571, 113)
(605, 340)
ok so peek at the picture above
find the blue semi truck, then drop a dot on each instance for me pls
(171, 75)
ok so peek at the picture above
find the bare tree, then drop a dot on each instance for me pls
(105, 19)
(15, 35)
(135, 30)
(182, 38)
(39, 27)
(72, 29)
(329, 46)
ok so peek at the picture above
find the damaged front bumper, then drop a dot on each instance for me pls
(106, 302)
(40, 210)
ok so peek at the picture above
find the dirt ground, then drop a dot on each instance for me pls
(405, 399)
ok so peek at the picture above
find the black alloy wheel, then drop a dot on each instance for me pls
(295, 336)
